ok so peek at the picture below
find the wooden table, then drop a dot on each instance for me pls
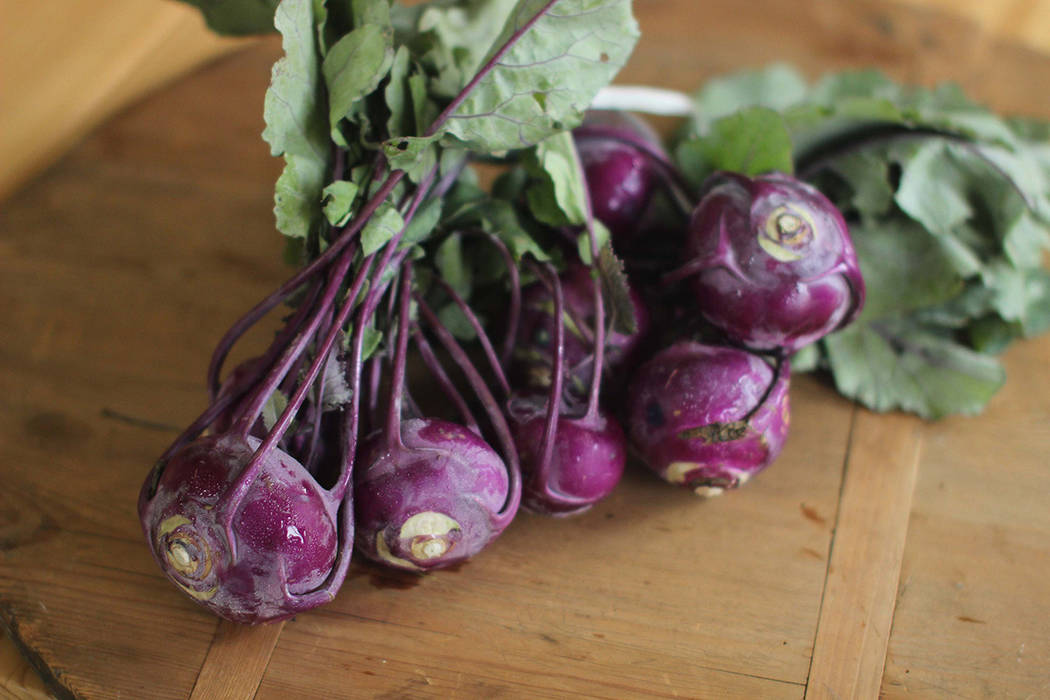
(878, 555)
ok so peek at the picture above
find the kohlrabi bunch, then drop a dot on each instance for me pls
(318, 442)
(598, 290)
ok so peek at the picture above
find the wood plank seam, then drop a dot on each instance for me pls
(834, 531)
(9, 625)
(867, 551)
(236, 661)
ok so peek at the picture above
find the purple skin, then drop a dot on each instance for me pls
(532, 356)
(697, 417)
(586, 463)
(284, 531)
(620, 180)
(772, 262)
(432, 501)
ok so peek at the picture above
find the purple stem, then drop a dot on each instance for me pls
(375, 379)
(426, 353)
(318, 411)
(550, 428)
(239, 488)
(397, 379)
(599, 303)
(393, 178)
(258, 398)
(353, 416)
(688, 269)
(483, 337)
(295, 281)
(514, 310)
(488, 401)
(368, 307)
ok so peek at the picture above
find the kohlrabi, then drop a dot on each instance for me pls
(430, 493)
(771, 262)
(256, 559)
(708, 417)
(571, 457)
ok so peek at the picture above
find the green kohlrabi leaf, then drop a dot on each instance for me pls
(465, 29)
(777, 87)
(398, 99)
(354, 67)
(452, 266)
(616, 291)
(416, 155)
(468, 206)
(583, 241)
(933, 192)
(423, 223)
(339, 198)
(272, 409)
(900, 365)
(557, 195)
(237, 17)
(752, 141)
(553, 66)
(381, 227)
(868, 176)
(296, 121)
(904, 267)
(457, 323)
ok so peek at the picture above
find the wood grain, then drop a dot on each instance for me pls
(120, 269)
(866, 554)
(236, 660)
(974, 600)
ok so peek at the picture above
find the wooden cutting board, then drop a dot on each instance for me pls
(878, 555)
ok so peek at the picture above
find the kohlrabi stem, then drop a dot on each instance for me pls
(687, 269)
(239, 488)
(364, 318)
(448, 387)
(318, 413)
(295, 281)
(276, 375)
(778, 364)
(550, 427)
(599, 303)
(375, 380)
(397, 376)
(483, 337)
(325, 593)
(496, 418)
(486, 69)
(514, 307)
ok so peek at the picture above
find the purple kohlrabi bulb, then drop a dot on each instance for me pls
(773, 260)
(284, 530)
(587, 459)
(708, 417)
(437, 498)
